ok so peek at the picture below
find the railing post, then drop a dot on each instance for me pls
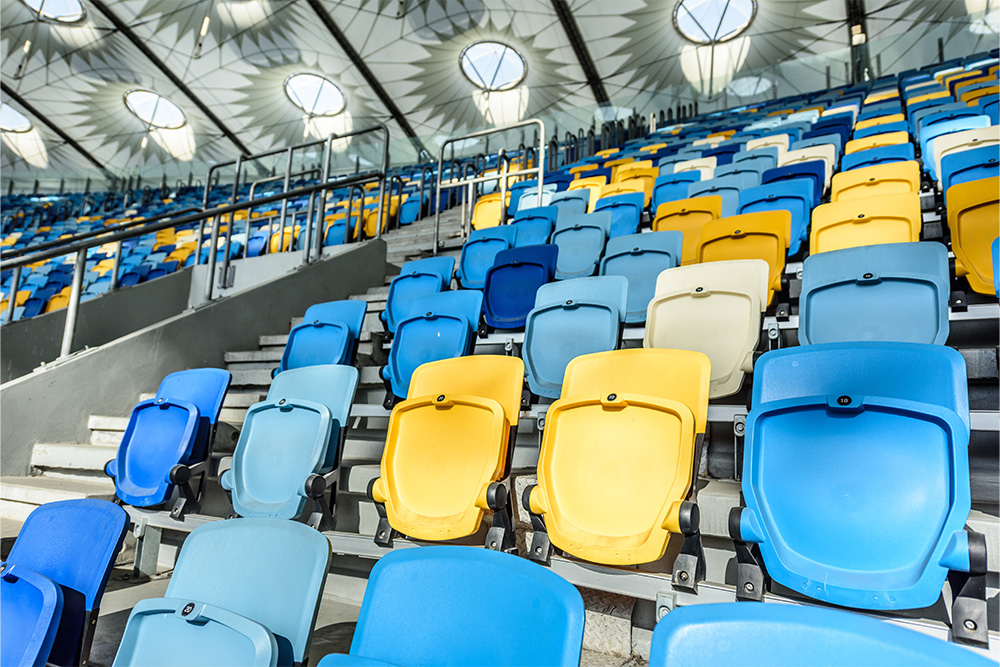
(223, 276)
(74, 303)
(381, 186)
(15, 282)
(115, 266)
(213, 242)
(286, 182)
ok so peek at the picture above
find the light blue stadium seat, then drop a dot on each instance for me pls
(571, 202)
(479, 252)
(898, 126)
(424, 607)
(875, 156)
(750, 171)
(931, 133)
(417, 278)
(795, 195)
(856, 479)
(887, 292)
(295, 433)
(327, 335)
(727, 634)
(671, 187)
(727, 187)
(534, 225)
(581, 239)
(641, 258)
(173, 430)
(833, 139)
(925, 122)
(762, 158)
(513, 280)
(409, 210)
(914, 119)
(626, 212)
(969, 165)
(571, 318)
(442, 326)
(243, 592)
(31, 605)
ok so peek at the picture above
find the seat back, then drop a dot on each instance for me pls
(534, 225)
(825, 152)
(794, 195)
(641, 258)
(31, 605)
(930, 133)
(877, 156)
(891, 292)
(969, 165)
(487, 211)
(760, 235)
(479, 252)
(728, 188)
(513, 280)
(326, 336)
(626, 212)
(206, 388)
(688, 216)
(868, 221)
(570, 202)
(703, 165)
(593, 186)
(671, 187)
(878, 180)
(713, 308)
(960, 141)
(416, 279)
(973, 209)
(813, 170)
(422, 607)
(581, 239)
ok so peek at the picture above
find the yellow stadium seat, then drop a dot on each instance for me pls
(971, 82)
(972, 96)
(21, 296)
(639, 167)
(955, 142)
(594, 184)
(705, 166)
(781, 112)
(615, 163)
(286, 242)
(761, 235)
(779, 141)
(652, 148)
(619, 458)
(370, 221)
(688, 216)
(607, 152)
(449, 445)
(620, 188)
(877, 140)
(879, 120)
(973, 211)
(937, 94)
(825, 152)
(715, 309)
(883, 179)
(882, 96)
(487, 211)
(577, 171)
(57, 302)
(868, 221)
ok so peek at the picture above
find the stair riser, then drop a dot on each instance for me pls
(72, 457)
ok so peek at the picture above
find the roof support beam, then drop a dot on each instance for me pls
(12, 94)
(582, 53)
(857, 35)
(369, 77)
(160, 65)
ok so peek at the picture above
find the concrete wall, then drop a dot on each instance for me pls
(52, 405)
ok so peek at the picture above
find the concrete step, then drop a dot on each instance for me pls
(15, 511)
(272, 340)
(106, 438)
(106, 423)
(252, 378)
(253, 355)
(241, 399)
(40, 490)
(250, 366)
(72, 456)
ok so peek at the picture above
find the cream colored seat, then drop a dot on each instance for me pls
(825, 152)
(704, 165)
(956, 142)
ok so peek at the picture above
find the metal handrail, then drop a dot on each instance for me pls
(539, 170)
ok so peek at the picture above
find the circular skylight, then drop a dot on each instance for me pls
(713, 21)
(63, 11)
(493, 66)
(12, 120)
(749, 85)
(315, 95)
(155, 110)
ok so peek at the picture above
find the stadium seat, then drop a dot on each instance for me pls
(671, 187)
(534, 225)
(898, 126)
(704, 166)
(726, 634)
(814, 170)
(996, 265)
(834, 140)
(639, 175)
(890, 292)
(748, 170)
(824, 152)
(619, 458)
(930, 134)
(513, 280)
(448, 449)
(876, 181)
(581, 239)
(31, 605)
(416, 279)
(837, 435)
(479, 252)
(728, 188)
(168, 441)
(288, 441)
(961, 141)
(626, 212)
(794, 195)
(876, 141)
(877, 156)
(442, 326)
(593, 186)
(328, 335)
(424, 607)
(571, 318)
(73, 544)
(211, 615)
(868, 221)
(778, 141)
(486, 213)
(688, 216)
(973, 211)
(715, 309)
(641, 258)
(760, 158)
(969, 165)
(570, 202)
(761, 235)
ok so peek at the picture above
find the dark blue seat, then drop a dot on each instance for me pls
(626, 211)
(641, 258)
(969, 165)
(727, 634)
(442, 326)
(794, 195)
(570, 202)
(723, 153)
(327, 335)
(671, 187)
(513, 280)
(558, 178)
(814, 170)
(424, 607)
(989, 106)
(35, 304)
(875, 156)
(31, 606)
(168, 440)
(479, 252)
(534, 225)
(856, 479)
(72, 543)
(581, 239)
(886, 292)
(417, 278)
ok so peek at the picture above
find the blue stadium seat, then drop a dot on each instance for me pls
(926, 122)
(211, 616)
(794, 195)
(571, 202)
(727, 187)
(571, 318)
(327, 335)
(424, 607)
(969, 165)
(898, 126)
(850, 448)
(74, 544)
(295, 433)
(671, 187)
(257, 243)
(534, 225)
(416, 279)
(931, 133)
(442, 326)
(727, 634)
(814, 170)
(723, 153)
(914, 119)
(996, 265)
(876, 156)
(760, 158)
(581, 239)
(560, 179)
(887, 108)
(989, 106)
(513, 280)
(887, 292)
(31, 606)
(626, 212)
(479, 252)
(641, 258)
(516, 190)
(168, 440)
